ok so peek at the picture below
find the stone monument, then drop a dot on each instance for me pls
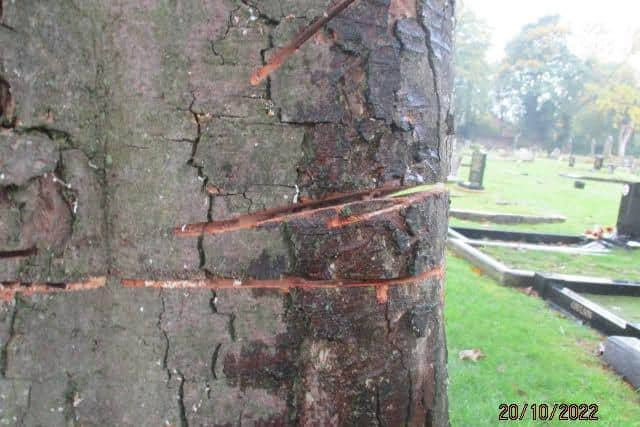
(629, 214)
(476, 172)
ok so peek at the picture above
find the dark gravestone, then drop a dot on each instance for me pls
(579, 184)
(598, 162)
(476, 173)
(629, 214)
(572, 161)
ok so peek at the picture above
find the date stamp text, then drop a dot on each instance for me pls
(548, 412)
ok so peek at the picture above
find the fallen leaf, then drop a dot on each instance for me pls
(472, 354)
(477, 270)
(519, 390)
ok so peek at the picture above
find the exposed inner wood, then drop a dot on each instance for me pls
(8, 290)
(284, 283)
(283, 54)
(283, 214)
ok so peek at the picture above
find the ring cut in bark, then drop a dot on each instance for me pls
(9, 290)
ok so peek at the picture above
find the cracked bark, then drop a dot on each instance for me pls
(301, 291)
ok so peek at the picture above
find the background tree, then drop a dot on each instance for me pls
(540, 80)
(473, 74)
(609, 106)
(618, 103)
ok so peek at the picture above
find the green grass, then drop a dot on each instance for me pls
(533, 355)
(620, 264)
(626, 307)
(536, 189)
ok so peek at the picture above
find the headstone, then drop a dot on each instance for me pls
(629, 214)
(572, 161)
(623, 355)
(579, 184)
(525, 155)
(598, 162)
(476, 172)
(612, 168)
(608, 147)
(456, 161)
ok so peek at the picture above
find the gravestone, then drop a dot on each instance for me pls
(629, 214)
(476, 173)
(598, 162)
(525, 155)
(456, 161)
(608, 148)
(623, 355)
(572, 161)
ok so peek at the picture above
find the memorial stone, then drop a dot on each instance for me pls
(629, 214)
(476, 172)
(598, 162)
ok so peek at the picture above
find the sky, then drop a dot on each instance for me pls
(605, 26)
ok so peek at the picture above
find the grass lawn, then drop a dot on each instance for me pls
(536, 189)
(626, 307)
(619, 264)
(533, 355)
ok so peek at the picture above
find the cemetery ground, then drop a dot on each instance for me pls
(533, 353)
(536, 188)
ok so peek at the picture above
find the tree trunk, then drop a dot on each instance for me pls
(127, 123)
(624, 137)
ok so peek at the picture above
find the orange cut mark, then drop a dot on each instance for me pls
(8, 290)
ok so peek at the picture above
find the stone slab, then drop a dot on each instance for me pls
(623, 354)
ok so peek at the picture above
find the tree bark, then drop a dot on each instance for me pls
(143, 281)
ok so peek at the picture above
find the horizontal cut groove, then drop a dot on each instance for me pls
(281, 56)
(286, 213)
(8, 290)
(19, 253)
(284, 283)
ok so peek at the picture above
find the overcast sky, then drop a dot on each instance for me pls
(619, 18)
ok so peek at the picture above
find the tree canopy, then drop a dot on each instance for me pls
(540, 80)
(552, 97)
(473, 75)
